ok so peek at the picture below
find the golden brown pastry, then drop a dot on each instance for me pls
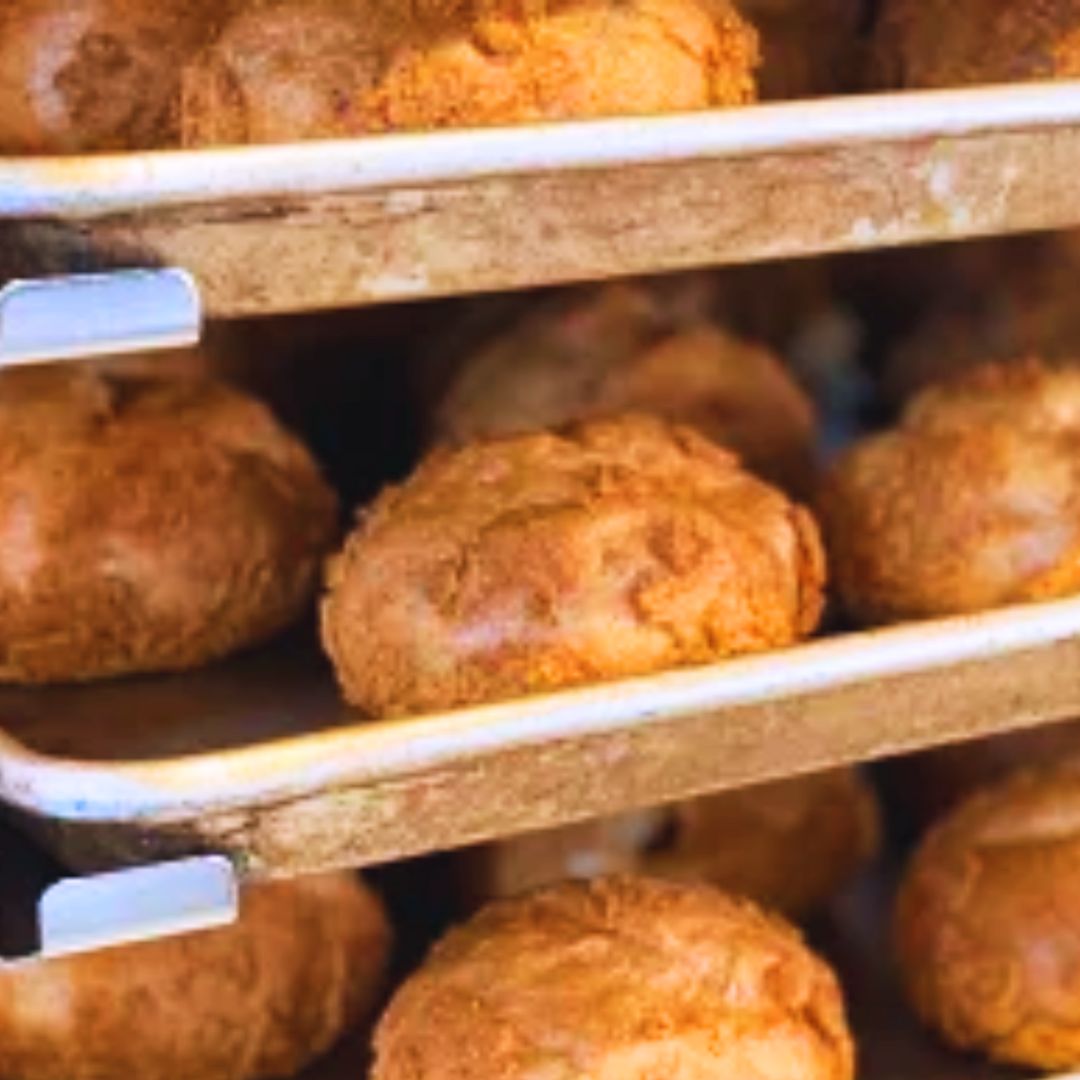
(147, 525)
(300, 70)
(621, 979)
(89, 75)
(627, 348)
(788, 844)
(809, 47)
(257, 999)
(923, 44)
(583, 58)
(612, 548)
(988, 922)
(281, 72)
(972, 502)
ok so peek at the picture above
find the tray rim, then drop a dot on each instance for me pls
(92, 186)
(272, 772)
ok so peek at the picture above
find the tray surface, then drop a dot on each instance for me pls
(282, 690)
(317, 225)
(258, 759)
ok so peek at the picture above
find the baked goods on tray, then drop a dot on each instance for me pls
(629, 347)
(608, 549)
(788, 844)
(252, 1001)
(78, 76)
(624, 977)
(147, 524)
(988, 922)
(303, 69)
(971, 502)
(280, 72)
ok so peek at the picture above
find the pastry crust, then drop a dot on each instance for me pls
(147, 525)
(972, 502)
(927, 44)
(298, 70)
(257, 999)
(78, 76)
(519, 565)
(281, 72)
(789, 844)
(621, 979)
(628, 348)
(988, 922)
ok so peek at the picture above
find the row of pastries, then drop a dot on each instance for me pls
(617, 977)
(96, 75)
(584, 514)
(619, 482)
(619, 479)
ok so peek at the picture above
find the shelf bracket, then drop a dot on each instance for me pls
(80, 316)
(85, 914)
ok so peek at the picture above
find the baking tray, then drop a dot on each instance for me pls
(258, 759)
(316, 225)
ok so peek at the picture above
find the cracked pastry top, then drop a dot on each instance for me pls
(986, 926)
(300, 69)
(971, 502)
(604, 550)
(621, 979)
(147, 524)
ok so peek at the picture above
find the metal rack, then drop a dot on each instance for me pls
(271, 229)
(283, 778)
(257, 759)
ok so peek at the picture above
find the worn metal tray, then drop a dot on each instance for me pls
(259, 760)
(317, 225)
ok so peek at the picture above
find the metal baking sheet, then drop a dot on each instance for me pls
(258, 759)
(316, 225)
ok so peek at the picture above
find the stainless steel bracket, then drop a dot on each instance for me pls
(78, 915)
(72, 317)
